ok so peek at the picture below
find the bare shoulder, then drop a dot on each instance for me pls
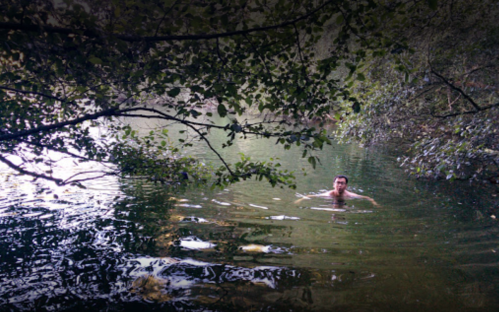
(348, 194)
(326, 194)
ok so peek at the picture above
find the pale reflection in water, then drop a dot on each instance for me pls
(282, 217)
(192, 242)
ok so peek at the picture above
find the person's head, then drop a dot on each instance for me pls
(341, 177)
(340, 183)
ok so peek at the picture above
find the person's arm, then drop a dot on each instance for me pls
(353, 195)
(325, 194)
(371, 200)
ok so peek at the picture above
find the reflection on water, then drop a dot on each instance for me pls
(121, 245)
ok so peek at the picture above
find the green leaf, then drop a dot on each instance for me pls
(356, 107)
(312, 161)
(339, 19)
(173, 92)
(432, 4)
(222, 110)
(95, 60)
(232, 90)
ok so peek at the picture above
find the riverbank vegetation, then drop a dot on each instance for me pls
(436, 92)
(422, 72)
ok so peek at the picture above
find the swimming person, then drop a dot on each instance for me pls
(339, 193)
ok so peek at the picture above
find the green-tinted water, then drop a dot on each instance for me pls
(120, 245)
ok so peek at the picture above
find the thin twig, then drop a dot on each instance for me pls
(259, 56)
(218, 53)
(33, 93)
(467, 112)
(300, 50)
(212, 148)
(163, 18)
(56, 150)
(104, 174)
(466, 96)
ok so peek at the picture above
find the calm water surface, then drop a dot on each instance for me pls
(123, 246)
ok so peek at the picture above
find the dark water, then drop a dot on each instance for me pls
(124, 246)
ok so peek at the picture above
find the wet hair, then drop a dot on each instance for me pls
(341, 177)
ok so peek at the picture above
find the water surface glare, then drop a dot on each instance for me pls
(125, 246)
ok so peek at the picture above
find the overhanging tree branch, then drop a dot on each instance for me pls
(161, 115)
(23, 133)
(467, 112)
(129, 38)
(30, 173)
(116, 113)
(33, 93)
(104, 174)
(452, 86)
(56, 150)
(212, 148)
(477, 107)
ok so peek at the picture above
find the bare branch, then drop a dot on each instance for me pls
(490, 106)
(187, 123)
(219, 55)
(58, 125)
(212, 148)
(161, 115)
(299, 48)
(421, 93)
(104, 174)
(466, 96)
(259, 56)
(106, 113)
(33, 93)
(30, 173)
(467, 112)
(59, 182)
(163, 18)
(92, 33)
(56, 150)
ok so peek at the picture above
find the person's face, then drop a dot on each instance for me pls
(340, 185)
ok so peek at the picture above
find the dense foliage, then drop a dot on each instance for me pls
(70, 67)
(436, 91)
(74, 73)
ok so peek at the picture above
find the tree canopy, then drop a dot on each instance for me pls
(70, 67)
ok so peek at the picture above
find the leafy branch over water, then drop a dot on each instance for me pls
(75, 74)
(73, 67)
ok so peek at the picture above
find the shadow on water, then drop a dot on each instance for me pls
(125, 246)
